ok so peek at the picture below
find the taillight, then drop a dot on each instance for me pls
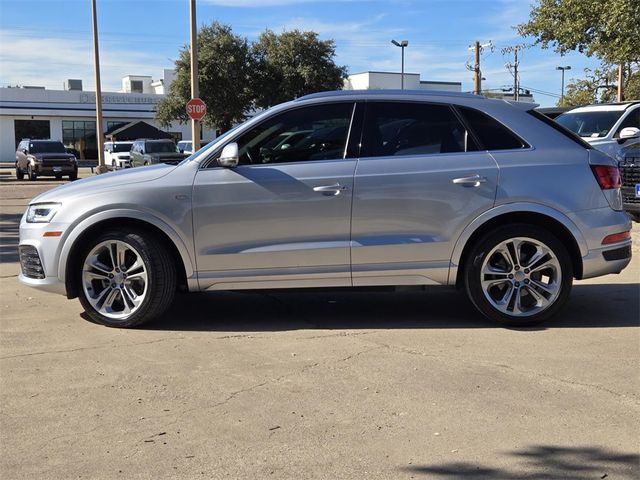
(616, 237)
(608, 177)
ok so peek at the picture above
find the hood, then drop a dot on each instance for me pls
(106, 181)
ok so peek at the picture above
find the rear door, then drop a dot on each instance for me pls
(419, 182)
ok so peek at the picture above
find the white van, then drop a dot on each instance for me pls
(608, 126)
(116, 154)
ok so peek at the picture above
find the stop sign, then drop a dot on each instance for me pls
(196, 109)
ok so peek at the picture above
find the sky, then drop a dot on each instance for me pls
(44, 42)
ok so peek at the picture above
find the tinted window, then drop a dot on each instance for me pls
(121, 147)
(160, 147)
(491, 133)
(631, 120)
(46, 147)
(393, 128)
(309, 133)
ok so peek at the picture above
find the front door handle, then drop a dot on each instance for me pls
(330, 190)
(470, 181)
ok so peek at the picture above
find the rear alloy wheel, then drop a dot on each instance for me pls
(32, 173)
(126, 279)
(519, 275)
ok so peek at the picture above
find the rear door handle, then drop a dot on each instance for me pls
(330, 190)
(470, 181)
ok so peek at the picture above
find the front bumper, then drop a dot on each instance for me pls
(50, 170)
(48, 250)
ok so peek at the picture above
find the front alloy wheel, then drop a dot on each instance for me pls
(126, 279)
(519, 278)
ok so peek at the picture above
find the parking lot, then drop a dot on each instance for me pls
(316, 384)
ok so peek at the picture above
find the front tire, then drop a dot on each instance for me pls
(126, 279)
(33, 176)
(518, 275)
(19, 173)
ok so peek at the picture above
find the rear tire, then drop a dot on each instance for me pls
(518, 275)
(33, 176)
(127, 278)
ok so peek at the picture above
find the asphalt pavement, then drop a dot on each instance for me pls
(316, 385)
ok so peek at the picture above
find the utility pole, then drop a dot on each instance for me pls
(477, 78)
(195, 124)
(477, 73)
(102, 168)
(516, 84)
(620, 82)
(516, 63)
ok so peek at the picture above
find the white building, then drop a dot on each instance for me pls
(69, 115)
(392, 80)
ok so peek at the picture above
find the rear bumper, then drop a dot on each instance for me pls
(612, 259)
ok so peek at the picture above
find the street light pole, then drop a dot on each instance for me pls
(568, 67)
(402, 44)
(102, 168)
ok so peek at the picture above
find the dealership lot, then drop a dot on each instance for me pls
(316, 384)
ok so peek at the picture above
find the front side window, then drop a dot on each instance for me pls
(397, 129)
(632, 120)
(310, 133)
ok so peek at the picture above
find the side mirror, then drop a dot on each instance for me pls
(229, 156)
(629, 132)
(25, 151)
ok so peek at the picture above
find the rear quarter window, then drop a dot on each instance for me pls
(560, 129)
(491, 134)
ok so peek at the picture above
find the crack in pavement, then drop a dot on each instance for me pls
(622, 397)
(93, 347)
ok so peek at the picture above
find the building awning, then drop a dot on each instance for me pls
(135, 130)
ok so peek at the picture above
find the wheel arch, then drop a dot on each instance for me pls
(555, 222)
(70, 258)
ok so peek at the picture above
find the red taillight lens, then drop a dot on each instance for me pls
(616, 237)
(608, 177)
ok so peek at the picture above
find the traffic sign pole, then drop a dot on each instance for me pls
(195, 124)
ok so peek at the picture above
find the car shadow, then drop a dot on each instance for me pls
(590, 306)
(542, 461)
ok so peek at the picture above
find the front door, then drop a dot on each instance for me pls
(281, 218)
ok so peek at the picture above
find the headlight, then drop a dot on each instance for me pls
(41, 212)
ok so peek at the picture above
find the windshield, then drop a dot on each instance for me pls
(161, 147)
(47, 147)
(590, 124)
(122, 147)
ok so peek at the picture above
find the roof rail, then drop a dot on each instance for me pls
(382, 92)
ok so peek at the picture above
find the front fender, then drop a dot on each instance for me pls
(517, 207)
(93, 219)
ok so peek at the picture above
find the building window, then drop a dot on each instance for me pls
(79, 137)
(136, 86)
(33, 129)
(115, 124)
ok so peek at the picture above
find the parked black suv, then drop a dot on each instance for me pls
(629, 166)
(148, 152)
(44, 157)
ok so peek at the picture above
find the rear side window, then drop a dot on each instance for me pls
(401, 129)
(491, 134)
(560, 129)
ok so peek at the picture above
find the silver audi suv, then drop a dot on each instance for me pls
(379, 188)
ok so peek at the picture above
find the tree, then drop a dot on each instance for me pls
(599, 85)
(293, 64)
(607, 30)
(225, 67)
